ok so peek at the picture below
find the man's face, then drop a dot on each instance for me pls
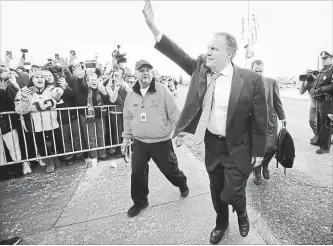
(38, 81)
(118, 76)
(144, 75)
(122, 64)
(325, 59)
(49, 77)
(217, 54)
(258, 68)
(92, 80)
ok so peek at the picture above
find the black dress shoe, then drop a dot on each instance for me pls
(265, 172)
(244, 224)
(184, 191)
(315, 138)
(136, 209)
(11, 241)
(322, 151)
(218, 232)
(316, 143)
(257, 175)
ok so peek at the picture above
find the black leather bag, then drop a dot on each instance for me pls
(285, 153)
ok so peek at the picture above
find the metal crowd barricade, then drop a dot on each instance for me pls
(22, 145)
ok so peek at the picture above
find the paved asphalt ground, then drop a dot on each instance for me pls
(77, 205)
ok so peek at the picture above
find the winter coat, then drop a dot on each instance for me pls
(7, 104)
(41, 106)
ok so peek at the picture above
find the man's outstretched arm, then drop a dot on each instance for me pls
(165, 45)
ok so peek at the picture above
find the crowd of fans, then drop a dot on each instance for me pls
(63, 107)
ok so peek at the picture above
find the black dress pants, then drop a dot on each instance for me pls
(269, 154)
(227, 183)
(325, 133)
(164, 156)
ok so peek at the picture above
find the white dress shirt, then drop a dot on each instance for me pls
(218, 116)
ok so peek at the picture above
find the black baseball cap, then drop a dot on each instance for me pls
(141, 63)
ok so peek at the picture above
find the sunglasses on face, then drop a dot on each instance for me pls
(324, 57)
(258, 71)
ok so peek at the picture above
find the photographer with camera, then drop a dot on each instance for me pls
(308, 82)
(323, 94)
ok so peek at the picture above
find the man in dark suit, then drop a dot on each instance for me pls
(274, 110)
(226, 107)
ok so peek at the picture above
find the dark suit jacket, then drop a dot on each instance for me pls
(274, 110)
(247, 110)
(274, 105)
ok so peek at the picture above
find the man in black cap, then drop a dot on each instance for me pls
(323, 93)
(150, 116)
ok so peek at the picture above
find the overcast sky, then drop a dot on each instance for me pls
(291, 33)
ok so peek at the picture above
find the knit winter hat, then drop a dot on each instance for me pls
(35, 71)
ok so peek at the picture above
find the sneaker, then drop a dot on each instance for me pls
(102, 157)
(42, 163)
(50, 166)
(79, 156)
(113, 164)
(94, 162)
(56, 162)
(10, 241)
(111, 151)
(136, 209)
(26, 168)
(88, 162)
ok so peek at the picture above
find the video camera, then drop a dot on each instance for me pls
(120, 57)
(309, 76)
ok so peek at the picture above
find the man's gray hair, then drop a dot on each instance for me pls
(231, 43)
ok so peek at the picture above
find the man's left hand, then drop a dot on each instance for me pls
(284, 123)
(62, 82)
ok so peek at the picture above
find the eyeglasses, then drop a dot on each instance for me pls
(324, 57)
